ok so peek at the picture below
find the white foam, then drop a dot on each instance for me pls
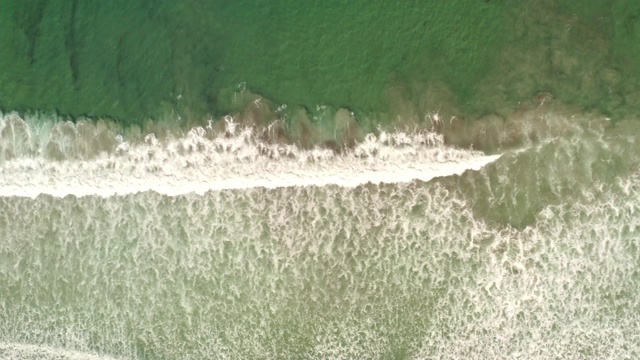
(17, 351)
(422, 272)
(201, 161)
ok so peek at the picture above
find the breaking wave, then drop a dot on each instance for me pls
(83, 159)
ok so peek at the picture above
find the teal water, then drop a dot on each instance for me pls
(241, 180)
(136, 61)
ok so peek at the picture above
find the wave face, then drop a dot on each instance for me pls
(532, 256)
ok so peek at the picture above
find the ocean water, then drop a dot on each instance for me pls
(339, 180)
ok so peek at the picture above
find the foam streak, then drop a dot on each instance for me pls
(201, 161)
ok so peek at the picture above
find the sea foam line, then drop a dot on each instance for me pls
(200, 161)
(26, 351)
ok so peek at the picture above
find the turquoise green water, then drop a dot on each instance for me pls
(134, 61)
(534, 256)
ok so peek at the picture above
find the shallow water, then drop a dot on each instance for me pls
(463, 183)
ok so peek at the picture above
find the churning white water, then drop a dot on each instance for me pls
(203, 161)
(534, 255)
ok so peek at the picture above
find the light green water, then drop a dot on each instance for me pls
(534, 256)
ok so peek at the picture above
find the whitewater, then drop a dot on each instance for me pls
(202, 161)
(220, 245)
